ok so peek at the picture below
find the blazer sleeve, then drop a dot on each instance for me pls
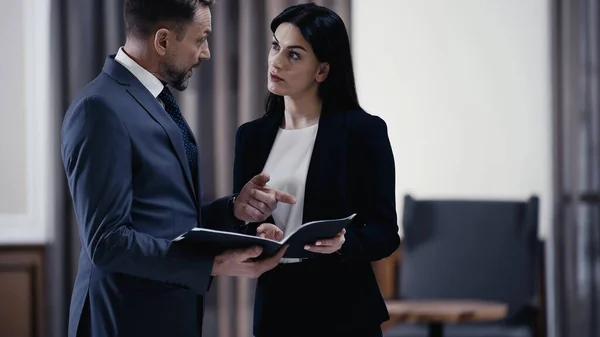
(376, 236)
(242, 174)
(97, 157)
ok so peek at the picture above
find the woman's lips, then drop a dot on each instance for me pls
(275, 78)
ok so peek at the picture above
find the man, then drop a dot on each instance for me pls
(132, 167)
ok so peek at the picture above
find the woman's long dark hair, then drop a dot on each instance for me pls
(325, 31)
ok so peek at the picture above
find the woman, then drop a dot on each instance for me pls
(317, 144)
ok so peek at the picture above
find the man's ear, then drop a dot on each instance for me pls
(161, 41)
(323, 72)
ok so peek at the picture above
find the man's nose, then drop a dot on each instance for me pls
(205, 53)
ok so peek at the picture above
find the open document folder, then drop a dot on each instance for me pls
(308, 233)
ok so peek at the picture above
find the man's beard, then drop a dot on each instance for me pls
(177, 78)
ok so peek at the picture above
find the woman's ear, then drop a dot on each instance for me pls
(323, 72)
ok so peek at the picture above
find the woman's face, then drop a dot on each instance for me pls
(293, 66)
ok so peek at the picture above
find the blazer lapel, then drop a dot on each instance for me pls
(325, 172)
(324, 181)
(265, 142)
(156, 111)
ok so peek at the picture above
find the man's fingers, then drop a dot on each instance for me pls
(271, 262)
(263, 198)
(284, 197)
(248, 253)
(259, 267)
(260, 206)
(254, 214)
(275, 258)
(261, 179)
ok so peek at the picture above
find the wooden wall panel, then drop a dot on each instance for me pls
(21, 291)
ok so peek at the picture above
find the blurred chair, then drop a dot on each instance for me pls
(478, 250)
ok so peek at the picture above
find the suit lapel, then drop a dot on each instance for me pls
(199, 187)
(328, 156)
(151, 105)
(155, 110)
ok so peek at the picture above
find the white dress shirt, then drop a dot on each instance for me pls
(151, 82)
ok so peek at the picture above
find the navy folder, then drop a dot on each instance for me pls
(218, 241)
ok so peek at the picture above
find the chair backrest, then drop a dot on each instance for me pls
(470, 249)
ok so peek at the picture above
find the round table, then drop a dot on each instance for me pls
(436, 313)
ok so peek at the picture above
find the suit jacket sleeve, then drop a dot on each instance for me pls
(376, 235)
(217, 215)
(97, 156)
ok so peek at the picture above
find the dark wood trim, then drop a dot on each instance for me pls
(22, 247)
(387, 273)
(31, 260)
(30, 269)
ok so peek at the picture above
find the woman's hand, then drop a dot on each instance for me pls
(269, 231)
(328, 246)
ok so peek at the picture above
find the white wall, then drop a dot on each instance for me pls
(13, 178)
(25, 144)
(464, 86)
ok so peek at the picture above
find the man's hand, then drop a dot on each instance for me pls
(235, 262)
(256, 201)
(328, 246)
(269, 231)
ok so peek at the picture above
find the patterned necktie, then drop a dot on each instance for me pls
(172, 109)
